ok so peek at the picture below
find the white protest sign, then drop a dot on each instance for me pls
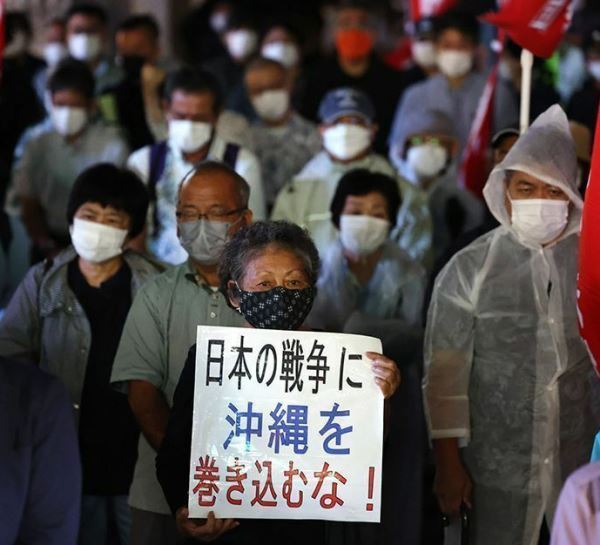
(287, 425)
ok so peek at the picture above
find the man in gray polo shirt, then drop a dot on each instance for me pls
(161, 327)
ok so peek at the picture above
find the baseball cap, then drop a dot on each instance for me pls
(346, 101)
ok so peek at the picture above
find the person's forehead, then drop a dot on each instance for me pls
(265, 74)
(97, 207)
(69, 95)
(210, 189)
(275, 258)
(518, 176)
(135, 35)
(371, 198)
(278, 34)
(352, 13)
(453, 34)
(195, 99)
(83, 20)
(350, 118)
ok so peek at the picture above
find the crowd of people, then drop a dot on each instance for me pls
(314, 165)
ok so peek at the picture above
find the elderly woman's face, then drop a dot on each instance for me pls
(275, 267)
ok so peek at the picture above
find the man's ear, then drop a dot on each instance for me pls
(247, 217)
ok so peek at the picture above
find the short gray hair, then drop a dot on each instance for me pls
(254, 239)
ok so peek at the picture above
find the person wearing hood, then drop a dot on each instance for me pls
(457, 88)
(427, 156)
(509, 382)
(348, 130)
(67, 316)
(192, 102)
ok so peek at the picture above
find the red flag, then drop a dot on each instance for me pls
(536, 25)
(429, 8)
(588, 283)
(474, 166)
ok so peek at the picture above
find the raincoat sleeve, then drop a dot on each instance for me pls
(20, 326)
(287, 206)
(248, 168)
(449, 351)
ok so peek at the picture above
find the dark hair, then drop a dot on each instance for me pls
(362, 182)
(75, 75)
(15, 21)
(109, 185)
(207, 168)
(141, 22)
(252, 240)
(241, 17)
(463, 22)
(286, 24)
(262, 62)
(89, 10)
(193, 80)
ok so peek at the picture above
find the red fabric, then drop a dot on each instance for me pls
(353, 43)
(474, 168)
(400, 57)
(429, 8)
(536, 25)
(588, 284)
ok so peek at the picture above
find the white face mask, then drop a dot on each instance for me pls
(539, 220)
(345, 141)
(454, 64)
(85, 47)
(96, 242)
(282, 52)
(423, 53)
(427, 160)
(218, 21)
(362, 235)
(271, 105)
(17, 46)
(594, 69)
(54, 52)
(68, 120)
(188, 136)
(241, 43)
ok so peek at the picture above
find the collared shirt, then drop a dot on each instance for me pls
(49, 166)
(459, 104)
(160, 329)
(164, 243)
(283, 151)
(307, 198)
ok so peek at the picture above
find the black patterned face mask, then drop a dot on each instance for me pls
(277, 308)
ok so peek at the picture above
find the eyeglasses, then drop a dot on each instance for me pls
(185, 216)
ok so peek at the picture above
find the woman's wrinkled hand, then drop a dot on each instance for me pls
(206, 530)
(387, 374)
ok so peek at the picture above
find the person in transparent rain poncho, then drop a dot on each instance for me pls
(508, 378)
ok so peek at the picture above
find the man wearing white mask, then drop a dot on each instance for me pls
(364, 273)
(86, 31)
(348, 130)
(429, 161)
(212, 205)
(55, 50)
(241, 41)
(192, 102)
(509, 382)
(67, 316)
(56, 152)
(423, 52)
(282, 140)
(457, 88)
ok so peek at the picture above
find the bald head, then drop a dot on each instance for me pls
(217, 179)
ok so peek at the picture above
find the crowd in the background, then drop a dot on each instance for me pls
(124, 175)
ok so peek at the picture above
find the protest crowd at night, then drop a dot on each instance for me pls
(306, 272)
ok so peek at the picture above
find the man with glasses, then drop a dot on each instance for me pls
(212, 205)
(192, 103)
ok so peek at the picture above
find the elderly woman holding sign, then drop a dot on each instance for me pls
(268, 272)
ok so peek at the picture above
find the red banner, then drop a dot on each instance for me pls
(429, 8)
(536, 25)
(588, 284)
(474, 166)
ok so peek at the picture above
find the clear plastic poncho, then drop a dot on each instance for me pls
(506, 370)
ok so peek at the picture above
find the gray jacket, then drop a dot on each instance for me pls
(45, 324)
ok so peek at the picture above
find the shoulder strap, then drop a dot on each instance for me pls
(231, 154)
(158, 157)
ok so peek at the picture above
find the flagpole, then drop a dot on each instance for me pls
(526, 68)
